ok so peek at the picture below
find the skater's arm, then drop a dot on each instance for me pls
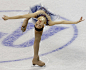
(65, 22)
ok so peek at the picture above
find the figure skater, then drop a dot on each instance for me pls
(42, 17)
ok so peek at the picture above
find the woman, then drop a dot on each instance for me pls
(41, 16)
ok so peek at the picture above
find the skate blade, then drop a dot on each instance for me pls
(39, 65)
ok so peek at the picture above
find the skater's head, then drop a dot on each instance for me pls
(40, 23)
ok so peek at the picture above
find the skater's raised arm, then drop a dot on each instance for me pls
(65, 22)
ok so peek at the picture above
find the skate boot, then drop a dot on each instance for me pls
(36, 61)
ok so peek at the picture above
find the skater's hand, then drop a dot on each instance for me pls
(5, 17)
(81, 19)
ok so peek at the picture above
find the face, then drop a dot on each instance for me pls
(39, 24)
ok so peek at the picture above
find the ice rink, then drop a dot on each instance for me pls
(63, 47)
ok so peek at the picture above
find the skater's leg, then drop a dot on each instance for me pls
(36, 42)
(36, 60)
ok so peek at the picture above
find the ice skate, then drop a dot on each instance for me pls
(36, 61)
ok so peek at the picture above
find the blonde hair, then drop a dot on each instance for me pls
(43, 19)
